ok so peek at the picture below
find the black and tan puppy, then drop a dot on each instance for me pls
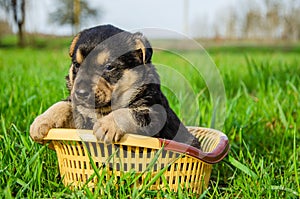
(114, 89)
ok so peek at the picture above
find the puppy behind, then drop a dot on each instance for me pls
(114, 89)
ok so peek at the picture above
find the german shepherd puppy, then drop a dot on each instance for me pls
(114, 89)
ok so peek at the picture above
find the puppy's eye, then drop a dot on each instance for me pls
(108, 67)
(75, 68)
(76, 65)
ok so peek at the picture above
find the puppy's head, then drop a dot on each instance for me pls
(83, 43)
(106, 70)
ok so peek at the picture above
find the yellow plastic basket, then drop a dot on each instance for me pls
(188, 167)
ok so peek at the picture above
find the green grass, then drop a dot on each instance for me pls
(261, 121)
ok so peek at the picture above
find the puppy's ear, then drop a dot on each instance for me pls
(143, 47)
(73, 44)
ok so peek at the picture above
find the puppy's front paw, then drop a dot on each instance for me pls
(40, 127)
(106, 130)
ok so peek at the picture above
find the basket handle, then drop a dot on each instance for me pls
(213, 157)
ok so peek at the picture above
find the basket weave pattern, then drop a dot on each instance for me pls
(186, 171)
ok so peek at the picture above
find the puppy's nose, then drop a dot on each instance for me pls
(82, 93)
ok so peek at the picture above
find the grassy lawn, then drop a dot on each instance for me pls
(262, 121)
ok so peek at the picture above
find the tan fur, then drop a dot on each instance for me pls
(111, 128)
(57, 116)
(124, 120)
(104, 110)
(71, 81)
(72, 46)
(91, 113)
(107, 130)
(140, 45)
(79, 56)
(103, 91)
(103, 57)
(126, 88)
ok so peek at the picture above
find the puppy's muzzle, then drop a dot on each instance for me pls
(83, 94)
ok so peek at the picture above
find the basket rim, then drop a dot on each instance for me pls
(215, 156)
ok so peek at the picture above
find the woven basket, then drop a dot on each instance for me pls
(188, 167)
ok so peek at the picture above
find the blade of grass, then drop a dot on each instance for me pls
(204, 193)
(295, 161)
(242, 167)
(23, 138)
(150, 165)
(36, 155)
(4, 130)
(156, 177)
(282, 188)
(282, 115)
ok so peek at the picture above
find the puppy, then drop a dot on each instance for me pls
(114, 89)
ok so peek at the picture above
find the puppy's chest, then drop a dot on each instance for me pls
(85, 118)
